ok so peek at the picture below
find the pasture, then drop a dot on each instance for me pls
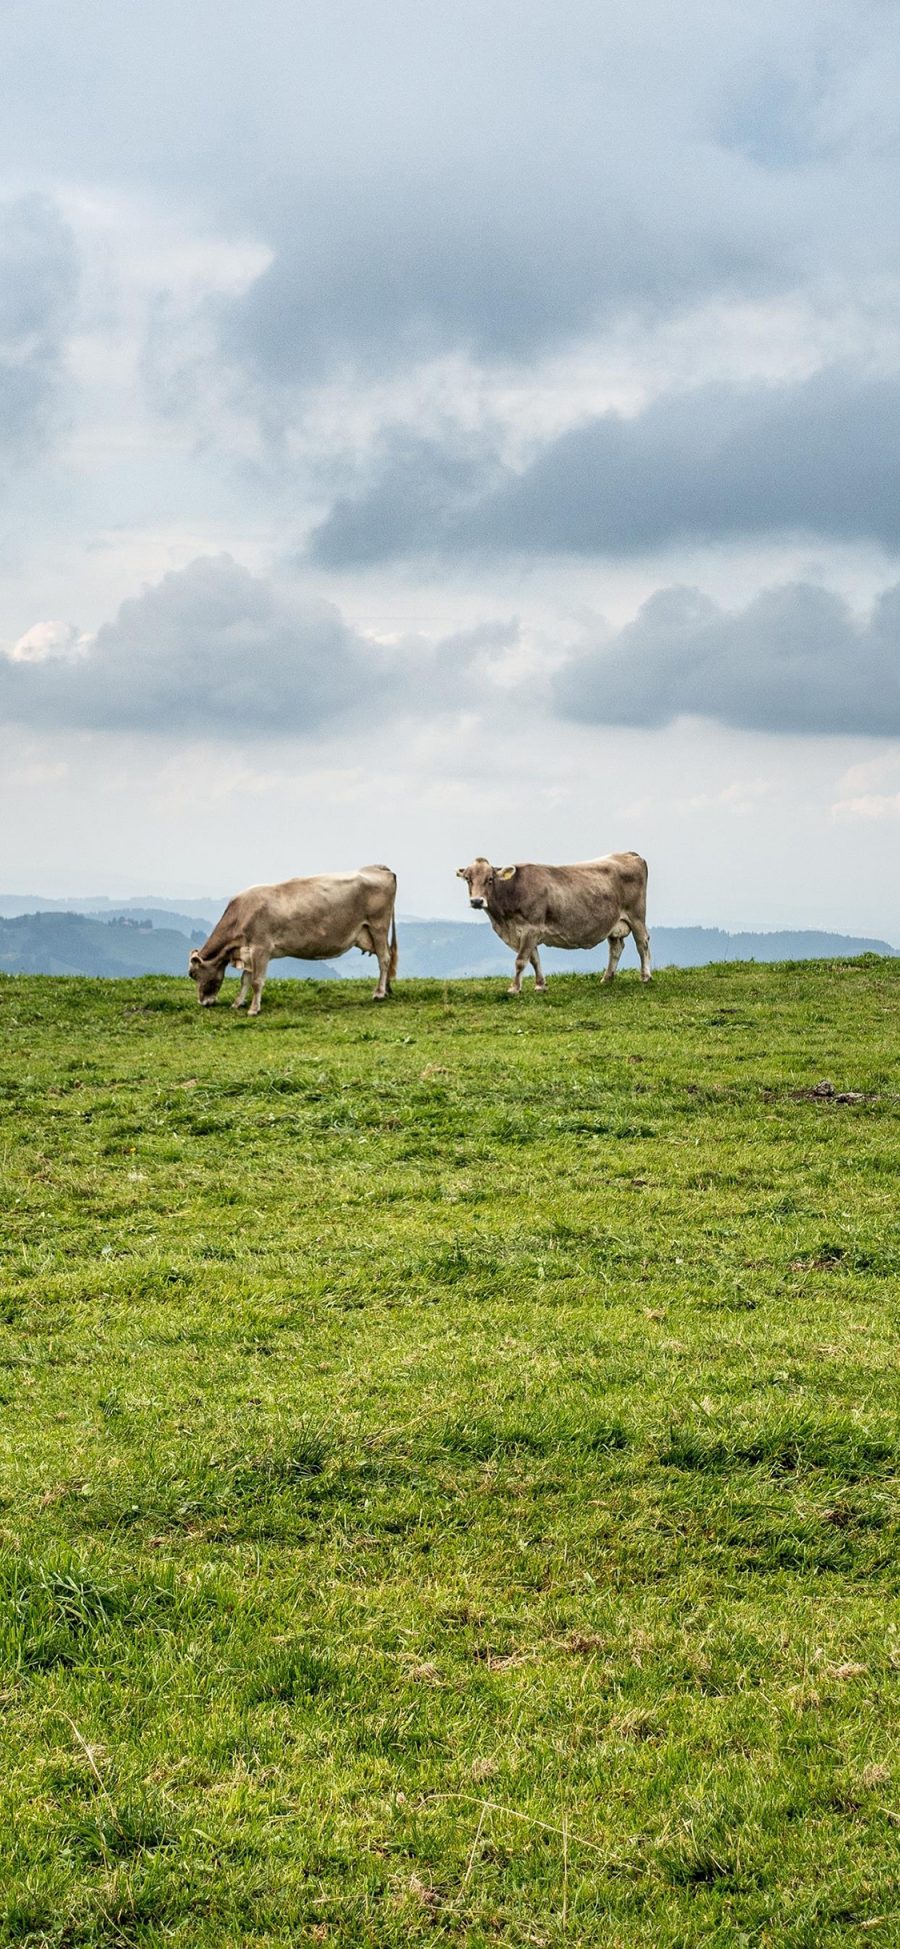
(449, 1450)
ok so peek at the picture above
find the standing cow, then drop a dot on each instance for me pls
(313, 919)
(564, 906)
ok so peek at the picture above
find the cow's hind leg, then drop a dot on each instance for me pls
(642, 942)
(616, 941)
(381, 948)
(540, 979)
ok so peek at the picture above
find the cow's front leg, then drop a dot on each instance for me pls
(615, 943)
(525, 951)
(540, 979)
(256, 967)
(243, 991)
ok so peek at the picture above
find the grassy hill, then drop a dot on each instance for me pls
(448, 1463)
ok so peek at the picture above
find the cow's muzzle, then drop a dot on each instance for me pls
(476, 903)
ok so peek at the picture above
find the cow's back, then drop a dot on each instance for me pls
(321, 916)
(313, 917)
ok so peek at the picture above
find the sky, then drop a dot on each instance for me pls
(430, 431)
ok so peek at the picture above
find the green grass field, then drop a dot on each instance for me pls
(448, 1481)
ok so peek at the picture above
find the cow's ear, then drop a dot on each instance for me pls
(196, 962)
(461, 872)
(507, 873)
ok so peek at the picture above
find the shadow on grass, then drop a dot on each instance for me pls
(782, 1446)
(306, 1483)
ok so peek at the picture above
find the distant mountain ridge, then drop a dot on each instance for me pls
(456, 949)
(80, 944)
(139, 937)
(197, 913)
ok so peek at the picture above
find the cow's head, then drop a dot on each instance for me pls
(481, 878)
(209, 976)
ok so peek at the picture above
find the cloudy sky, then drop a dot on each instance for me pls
(431, 430)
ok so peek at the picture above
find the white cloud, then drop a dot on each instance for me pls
(45, 641)
(868, 792)
(742, 796)
(869, 805)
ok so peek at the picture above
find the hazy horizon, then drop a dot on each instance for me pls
(183, 902)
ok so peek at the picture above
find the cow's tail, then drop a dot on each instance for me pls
(392, 964)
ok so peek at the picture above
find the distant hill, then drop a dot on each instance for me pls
(54, 943)
(141, 939)
(696, 947)
(162, 913)
(454, 949)
(184, 923)
(79, 944)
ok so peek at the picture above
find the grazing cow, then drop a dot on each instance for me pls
(564, 906)
(314, 919)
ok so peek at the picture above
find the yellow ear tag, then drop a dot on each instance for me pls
(507, 873)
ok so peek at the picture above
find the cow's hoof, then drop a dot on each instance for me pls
(540, 987)
(646, 979)
(514, 991)
(377, 997)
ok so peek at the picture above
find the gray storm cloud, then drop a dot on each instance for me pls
(633, 169)
(821, 457)
(794, 660)
(468, 180)
(431, 177)
(213, 651)
(500, 265)
(38, 281)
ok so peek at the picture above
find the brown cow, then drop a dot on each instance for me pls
(313, 919)
(564, 906)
